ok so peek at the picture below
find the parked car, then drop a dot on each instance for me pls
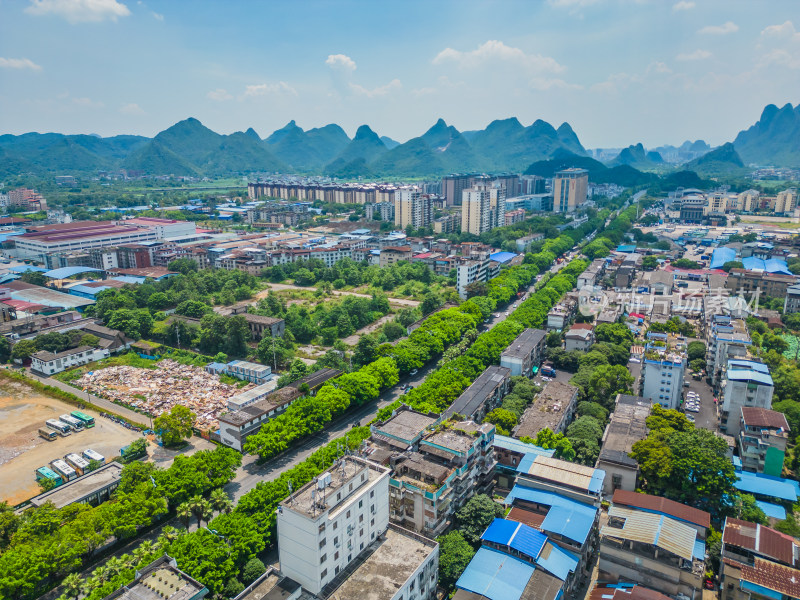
(414, 372)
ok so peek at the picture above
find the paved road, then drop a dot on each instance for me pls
(96, 400)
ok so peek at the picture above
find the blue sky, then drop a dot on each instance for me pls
(619, 71)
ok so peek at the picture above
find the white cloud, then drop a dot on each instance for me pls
(494, 51)
(782, 57)
(571, 3)
(19, 63)
(87, 103)
(157, 16)
(683, 5)
(79, 11)
(132, 109)
(658, 67)
(417, 93)
(696, 55)
(543, 84)
(383, 90)
(340, 61)
(785, 29)
(725, 28)
(219, 95)
(263, 89)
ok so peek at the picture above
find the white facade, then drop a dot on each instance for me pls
(32, 247)
(663, 380)
(326, 524)
(49, 363)
(745, 383)
(411, 207)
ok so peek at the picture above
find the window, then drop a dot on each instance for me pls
(323, 558)
(362, 545)
(363, 477)
(360, 503)
(360, 518)
(372, 523)
(336, 555)
(348, 514)
(335, 524)
(338, 496)
(322, 528)
(351, 486)
(372, 494)
(323, 574)
(361, 534)
(322, 543)
(336, 541)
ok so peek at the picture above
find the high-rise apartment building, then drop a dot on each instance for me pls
(786, 201)
(326, 524)
(411, 207)
(570, 188)
(483, 207)
(453, 186)
(748, 201)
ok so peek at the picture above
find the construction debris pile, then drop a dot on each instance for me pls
(157, 390)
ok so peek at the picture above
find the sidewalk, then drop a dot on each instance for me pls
(104, 404)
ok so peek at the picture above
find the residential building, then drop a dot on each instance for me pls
(528, 563)
(697, 519)
(433, 472)
(447, 224)
(560, 315)
(531, 184)
(553, 409)
(758, 563)
(570, 188)
(399, 565)
(726, 338)
(651, 549)
(411, 207)
(661, 282)
(49, 363)
(158, 580)
(514, 216)
(508, 453)
(786, 201)
(663, 370)
(92, 488)
(249, 371)
(792, 302)
(578, 482)
(627, 426)
(453, 187)
(470, 271)
(636, 592)
(328, 523)
(476, 209)
(524, 355)
(748, 201)
(394, 254)
(746, 383)
(260, 325)
(485, 394)
(763, 435)
(524, 243)
(774, 285)
(579, 337)
(78, 235)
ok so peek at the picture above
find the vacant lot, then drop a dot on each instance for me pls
(22, 412)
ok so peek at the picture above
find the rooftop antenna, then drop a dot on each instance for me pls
(291, 492)
(313, 502)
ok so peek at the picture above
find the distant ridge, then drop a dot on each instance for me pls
(774, 139)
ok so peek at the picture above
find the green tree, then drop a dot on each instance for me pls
(89, 340)
(748, 510)
(614, 333)
(594, 410)
(553, 441)
(455, 553)
(430, 302)
(183, 265)
(5, 349)
(158, 301)
(696, 350)
(23, 350)
(503, 419)
(34, 278)
(184, 513)
(365, 351)
(393, 330)
(732, 264)
(253, 569)
(649, 263)
(174, 426)
(697, 365)
(606, 382)
(476, 515)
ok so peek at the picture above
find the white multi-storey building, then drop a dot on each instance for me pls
(411, 207)
(663, 371)
(325, 525)
(745, 383)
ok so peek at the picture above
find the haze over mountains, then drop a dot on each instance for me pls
(190, 148)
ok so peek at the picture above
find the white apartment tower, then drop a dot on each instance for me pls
(483, 207)
(411, 207)
(786, 201)
(327, 523)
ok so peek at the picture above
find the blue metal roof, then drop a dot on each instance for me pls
(776, 265)
(502, 257)
(495, 575)
(629, 248)
(699, 551)
(509, 443)
(567, 517)
(127, 279)
(773, 511)
(83, 290)
(737, 363)
(557, 561)
(24, 268)
(749, 375)
(722, 255)
(8, 277)
(520, 537)
(760, 590)
(759, 484)
(65, 272)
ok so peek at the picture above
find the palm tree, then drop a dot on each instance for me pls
(168, 535)
(114, 566)
(139, 554)
(103, 574)
(73, 585)
(184, 513)
(220, 501)
(200, 507)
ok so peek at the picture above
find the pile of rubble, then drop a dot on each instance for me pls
(157, 390)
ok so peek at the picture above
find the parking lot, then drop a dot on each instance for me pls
(707, 417)
(22, 412)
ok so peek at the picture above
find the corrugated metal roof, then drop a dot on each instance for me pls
(495, 575)
(567, 473)
(773, 576)
(658, 530)
(663, 506)
(773, 511)
(515, 445)
(520, 537)
(569, 518)
(765, 485)
(761, 540)
(65, 272)
(722, 255)
(749, 375)
(557, 561)
(752, 365)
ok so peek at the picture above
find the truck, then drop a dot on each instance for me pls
(548, 371)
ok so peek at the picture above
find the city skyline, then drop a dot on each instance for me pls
(620, 72)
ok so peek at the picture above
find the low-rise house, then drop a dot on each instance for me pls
(553, 409)
(745, 383)
(763, 437)
(92, 488)
(528, 563)
(578, 482)
(579, 337)
(559, 316)
(249, 371)
(509, 452)
(698, 519)
(482, 396)
(112, 340)
(653, 550)
(160, 579)
(525, 353)
(260, 326)
(758, 563)
(49, 363)
(628, 425)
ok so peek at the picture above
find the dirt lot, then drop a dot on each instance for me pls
(22, 412)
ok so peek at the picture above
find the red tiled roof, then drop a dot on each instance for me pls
(763, 417)
(662, 505)
(773, 576)
(759, 539)
(588, 326)
(528, 517)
